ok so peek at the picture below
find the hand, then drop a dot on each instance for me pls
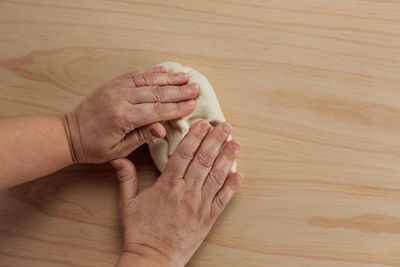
(166, 223)
(124, 113)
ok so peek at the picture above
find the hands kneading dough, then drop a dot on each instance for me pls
(207, 108)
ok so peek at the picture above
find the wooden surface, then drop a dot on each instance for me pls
(312, 89)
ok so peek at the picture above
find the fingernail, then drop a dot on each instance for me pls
(155, 133)
(158, 68)
(239, 177)
(182, 76)
(204, 125)
(189, 104)
(227, 128)
(193, 86)
(235, 146)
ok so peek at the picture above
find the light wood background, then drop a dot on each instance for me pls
(312, 89)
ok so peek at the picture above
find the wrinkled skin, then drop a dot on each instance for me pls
(166, 223)
(125, 112)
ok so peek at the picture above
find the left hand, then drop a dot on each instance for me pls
(125, 112)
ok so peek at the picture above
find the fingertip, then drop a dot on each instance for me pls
(178, 78)
(226, 127)
(204, 125)
(194, 85)
(116, 164)
(157, 130)
(237, 177)
(161, 68)
(155, 69)
(235, 145)
(182, 76)
(126, 175)
(191, 91)
(189, 105)
(123, 167)
(194, 89)
(201, 125)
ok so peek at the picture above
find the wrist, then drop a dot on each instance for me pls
(71, 128)
(128, 259)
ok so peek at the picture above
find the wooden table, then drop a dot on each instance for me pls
(312, 89)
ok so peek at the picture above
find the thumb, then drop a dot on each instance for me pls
(142, 135)
(126, 174)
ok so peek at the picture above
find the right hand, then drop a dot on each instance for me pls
(125, 112)
(166, 223)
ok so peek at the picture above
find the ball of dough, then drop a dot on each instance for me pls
(207, 108)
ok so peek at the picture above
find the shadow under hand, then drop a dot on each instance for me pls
(84, 192)
(75, 207)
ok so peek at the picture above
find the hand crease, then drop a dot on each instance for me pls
(153, 248)
(80, 140)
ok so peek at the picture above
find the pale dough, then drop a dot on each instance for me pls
(207, 108)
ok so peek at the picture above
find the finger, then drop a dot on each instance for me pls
(180, 160)
(126, 174)
(208, 152)
(148, 79)
(152, 112)
(225, 195)
(128, 76)
(154, 69)
(163, 94)
(141, 135)
(220, 170)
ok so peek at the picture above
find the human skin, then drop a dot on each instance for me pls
(166, 223)
(110, 123)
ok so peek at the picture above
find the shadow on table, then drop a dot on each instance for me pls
(86, 193)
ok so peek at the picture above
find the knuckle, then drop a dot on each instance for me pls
(171, 170)
(181, 91)
(159, 109)
(124, 179)
(230, 154)
(220, 201)
(217, 136)
(113, 94)
(169, 186)
(218, 176)
(129, 75)
(197, 135)
(148, 79)
(141, 136)
(159, 94)
(129, 78)
(205, 159)
(166, 186)
(127, 127)
(117, 114)
(186, 152)
(125, 122)
(124, 176)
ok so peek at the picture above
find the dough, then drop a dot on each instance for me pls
(207, 108)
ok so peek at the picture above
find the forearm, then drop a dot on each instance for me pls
(30, 147)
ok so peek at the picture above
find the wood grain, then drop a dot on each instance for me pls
(311, 88)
